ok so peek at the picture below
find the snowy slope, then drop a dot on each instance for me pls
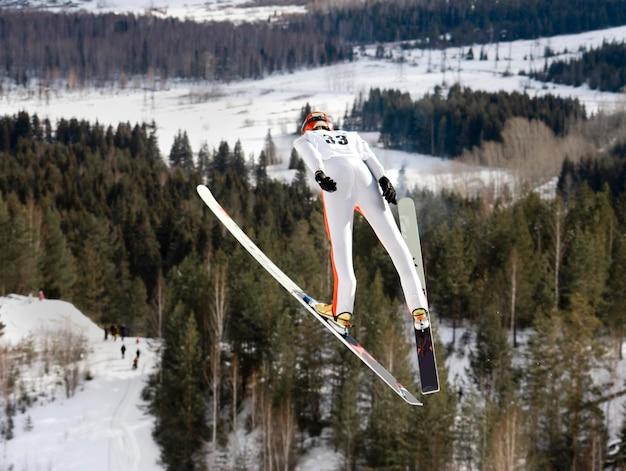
(236, 11)
(26, 316)
(104, 425)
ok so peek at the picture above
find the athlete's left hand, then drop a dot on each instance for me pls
(389, 193)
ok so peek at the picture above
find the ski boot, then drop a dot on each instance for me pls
(420, 319)
(340, 321)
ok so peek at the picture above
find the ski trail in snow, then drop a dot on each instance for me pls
(122, 440)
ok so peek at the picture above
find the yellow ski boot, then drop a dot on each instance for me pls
(420, 319)
(341, 320)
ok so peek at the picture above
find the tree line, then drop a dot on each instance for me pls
(461, 22)
(93, 215)
(84, 47)
(602, 68)
(446, 125)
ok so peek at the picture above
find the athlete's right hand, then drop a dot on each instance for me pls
(389, 193)
(325, 182)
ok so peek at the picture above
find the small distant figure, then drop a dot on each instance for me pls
(123, 349)
(123, 331)
(138, 353)
(135, 361)
(106, 333)
(113, 331)
(41, 296)
(137, 341)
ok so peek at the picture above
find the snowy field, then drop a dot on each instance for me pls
(246, 110)
(104, 425)
(236, 11)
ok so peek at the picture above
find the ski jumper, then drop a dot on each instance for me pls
(349, 161)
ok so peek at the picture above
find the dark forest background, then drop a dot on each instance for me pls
(93, 215)
(602, 68)
(446, 124)
(83, 47)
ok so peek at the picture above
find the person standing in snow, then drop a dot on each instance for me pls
(113, 331)
(123, 349)
(352, 178)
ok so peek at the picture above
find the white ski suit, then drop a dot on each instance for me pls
(348, 160)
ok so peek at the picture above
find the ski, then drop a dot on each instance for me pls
(307, 301)
(429, 377)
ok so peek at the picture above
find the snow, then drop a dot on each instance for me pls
(613, 380)
(236, 11)
(104, 425)
(246, 110)
(27, 316)
(321, 457)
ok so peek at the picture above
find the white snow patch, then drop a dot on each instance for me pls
(104, 425)
(236, 11)
(26, 316)
(320, 458)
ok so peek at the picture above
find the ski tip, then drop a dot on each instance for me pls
(409, 398)
(201, 188)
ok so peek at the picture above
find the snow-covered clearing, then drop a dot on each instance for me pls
(104, 425)
(247, 109)
(236, 11)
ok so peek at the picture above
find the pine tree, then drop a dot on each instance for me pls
(204, 159)
(181, 154)
(491, 358)
(615, 298)
(178, 403)
(294, 160)
(18, 261)
(491, 371)
(386, 436)
(270, 149)
(96, 272)
(261, 170)
(56, 262)
(451, 269)
(346, 416)
(7, 255)
(564, 423)
(304, 112)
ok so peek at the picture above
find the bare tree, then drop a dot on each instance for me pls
(557, 230)
(217, 323)
(514, 258)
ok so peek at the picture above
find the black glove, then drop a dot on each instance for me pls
(388, 192)
(325, 182)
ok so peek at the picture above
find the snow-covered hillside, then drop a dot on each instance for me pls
(246, 110)
(104, 425)
(236, 11)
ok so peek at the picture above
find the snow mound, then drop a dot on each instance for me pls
(25, 316)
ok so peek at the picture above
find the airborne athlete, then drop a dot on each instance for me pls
(352, 178)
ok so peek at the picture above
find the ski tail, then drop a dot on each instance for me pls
(426, 358)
